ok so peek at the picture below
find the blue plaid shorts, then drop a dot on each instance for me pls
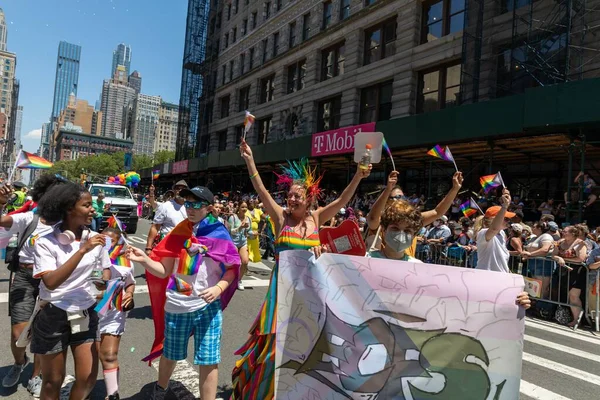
(206, 324)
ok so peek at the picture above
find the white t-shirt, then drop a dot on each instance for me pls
(168, 215)
(492, 255)
(209, 274)
(75, 293)
(539, 242)
(19, 226)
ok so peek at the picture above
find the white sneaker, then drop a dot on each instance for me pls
(240, 285)
(34, 386)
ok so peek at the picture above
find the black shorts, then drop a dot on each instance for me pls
(24, 290)
(51, 331)
(578, 278)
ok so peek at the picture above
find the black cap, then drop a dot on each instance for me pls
(19, 185)
(199, 192)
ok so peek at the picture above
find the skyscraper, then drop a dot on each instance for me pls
(145, 121)
(166, 132)
(3, 32)
(135, 81)
(121, 56)
(67, 76)
(116, 95)
(45, 140)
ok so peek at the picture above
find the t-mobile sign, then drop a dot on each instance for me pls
(338, 141)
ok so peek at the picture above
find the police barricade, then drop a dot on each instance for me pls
(454, 255)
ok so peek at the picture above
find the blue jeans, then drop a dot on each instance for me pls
(96, 224)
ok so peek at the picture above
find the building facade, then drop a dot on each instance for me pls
(79, 113)
(72, 144)
(3, 31)
(45, 139)
(145, 121)
(18, 129)
(8, 66)
(67, 76)
(166, 131)
(121, 56)
(116, 95)
(135, 81)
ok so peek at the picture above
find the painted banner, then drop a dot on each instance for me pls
(337, 141)
(364, 328)
(180, 167)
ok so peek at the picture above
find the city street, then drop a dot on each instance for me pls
(558, 364)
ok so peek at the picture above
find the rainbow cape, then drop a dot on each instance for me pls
(31, 161)
(489, 182)
(210, 233)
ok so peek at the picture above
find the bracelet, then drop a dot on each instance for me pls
(219, 286)
(148, 248)
(254, 176)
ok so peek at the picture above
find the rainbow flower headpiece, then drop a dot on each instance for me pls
(300, 173)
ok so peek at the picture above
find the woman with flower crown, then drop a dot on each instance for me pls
(297, 227)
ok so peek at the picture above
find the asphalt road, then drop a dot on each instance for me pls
(558, 364)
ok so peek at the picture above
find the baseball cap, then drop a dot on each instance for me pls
(517, 228)
(199, 192)
(444, 218)
(180, 183)
(19, 185)
(553, 226)
(494, 210)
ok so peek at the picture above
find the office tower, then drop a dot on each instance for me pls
(166, 132)
(135, 81)
(45, 140)
(145, 119)
(79, 113)
(121, 56)
(67, 76)
(9, 61)
(116, 95)
(3, 32)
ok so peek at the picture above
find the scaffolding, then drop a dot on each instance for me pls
(194, 55)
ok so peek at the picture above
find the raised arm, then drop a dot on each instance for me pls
(374, 216)
(272, 207)
(331, 209)
(498, 222)
(444, 205)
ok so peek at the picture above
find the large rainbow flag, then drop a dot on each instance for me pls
(31, 161)
(210, 233)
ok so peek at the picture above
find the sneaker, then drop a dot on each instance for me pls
(241, 285)
(14, 374)
(34, 386)
(114, 396)
(159, 393)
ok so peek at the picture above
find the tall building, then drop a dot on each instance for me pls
(121, 56)
(45, 140)
(135, 81)
(3, 32)
(10, 152)
(166, 132)
(116, 95)
(8, 66)
(18, 129)
(145, 120)
(81, 114)
(67, 76)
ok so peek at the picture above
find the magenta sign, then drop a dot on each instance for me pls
(180, 167)
(338, 141)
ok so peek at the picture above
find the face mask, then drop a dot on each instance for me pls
(436, 223)
(398, 241)
(457, 233)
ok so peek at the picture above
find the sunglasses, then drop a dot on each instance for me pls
(398, 197)
(196, 205)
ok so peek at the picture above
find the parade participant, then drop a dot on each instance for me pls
(239, 225)
(296, 228)
(29, 205)
(112, 323)
(492, 251)
(391, 193)
(256, 215)
(18, 198)
(196, 290)
(400, 223)
(99, 209)
(64, 260)
(167, 216)
(24, 289)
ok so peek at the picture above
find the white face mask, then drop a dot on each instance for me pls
(398, 241)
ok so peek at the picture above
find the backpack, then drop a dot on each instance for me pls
(12, 254)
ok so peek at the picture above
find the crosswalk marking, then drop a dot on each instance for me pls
(564, 349)
(579, 335)
(539, 393)
(185, 383)
(563, 369)
(136, 239)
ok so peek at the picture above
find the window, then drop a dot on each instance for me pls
(254, 16)
(242, 63)
(212, 25)
(219, 16)
(267, 87)
(230, 70)
(251, 59)
(376, 103)
(275, 44)
(292, 37)
(369, 2)
(267, 10)
(264, 128)
(380, 41)
(332, 61)
(279, 5)
(239, 133)
(226, 40)
(208, 111)
(344, 9)
(244, 99)
(244, 27)
(306, 26)
(228, 11)
(237, 6)
(327, 9)
(222, 138)
(265, 44)
(223, 73)
(204, 144)
(329, 114)
(295, 76)
(233, 35)
(441, 18)
(224, 106)
(438, 89)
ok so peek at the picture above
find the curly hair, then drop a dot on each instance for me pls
(59, 200)
(402, 212)
(42, 184)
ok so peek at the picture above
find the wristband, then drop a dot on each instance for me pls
(219, 286)
(148, 248)
(254, 176)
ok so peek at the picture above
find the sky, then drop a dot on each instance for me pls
(155, 30)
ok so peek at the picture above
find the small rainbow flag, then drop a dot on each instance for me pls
(117, 256)
(445, 154)
(248, 122)
(490, 182)
(31, 161)
(470, 208)
(114, 287)
(179, 285)
(189, 265)
(117, 301)
(155, 174)
(387, 149)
